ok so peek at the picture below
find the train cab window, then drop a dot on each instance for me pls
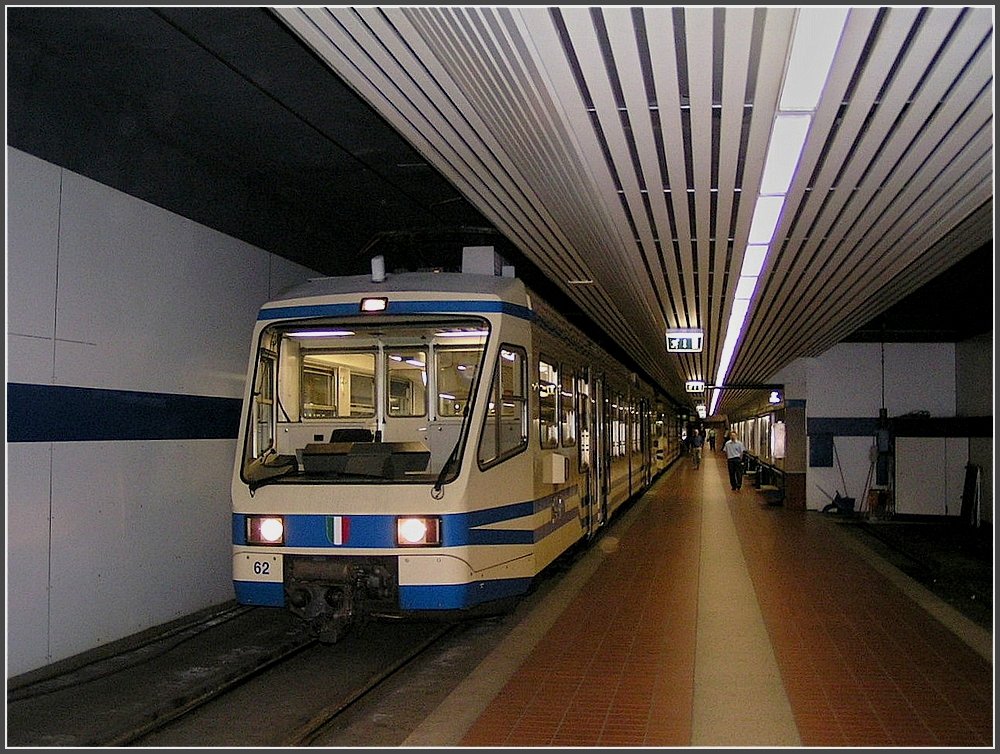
(406, 376)
(548, 404)
(319, 391)
(363, 393)
(505, 427)
(567, 409)
(317, 376)
(456, 372)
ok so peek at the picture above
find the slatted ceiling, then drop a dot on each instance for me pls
(870, 162)
(627, 145)
(591, 62)
(672, 199)
(533, 160)
(639, 139)
(909, 262)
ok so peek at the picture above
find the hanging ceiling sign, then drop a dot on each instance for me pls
(684, 341)
(695, 386)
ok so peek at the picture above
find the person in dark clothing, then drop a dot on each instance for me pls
(734, 451)
(697, 441)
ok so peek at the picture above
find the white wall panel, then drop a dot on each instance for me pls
(140, 536)
(285, 274)
(920, 377)
(845, 381)
(145, 301)
(956, 458)
(29, 359)
(27, 556)
(32, 253)
(930, 473)
(974, 376)
(848, 380)
(32, 244)
(150, 292)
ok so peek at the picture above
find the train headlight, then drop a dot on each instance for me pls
(418, 531)
(265, 530)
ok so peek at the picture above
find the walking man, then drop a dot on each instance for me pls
(696, 442)
(734, 450)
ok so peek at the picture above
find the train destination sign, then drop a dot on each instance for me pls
(684, 341)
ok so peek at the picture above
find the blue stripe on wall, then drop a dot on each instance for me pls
(52, 413)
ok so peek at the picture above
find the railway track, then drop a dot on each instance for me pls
(254, 677)
(198, 683)
(296, 701)
(115, 698)
(307, 733)
(107, 664)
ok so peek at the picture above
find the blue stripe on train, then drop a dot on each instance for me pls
(397, 307)
(306, 530)
(459, 596)
(267, 594)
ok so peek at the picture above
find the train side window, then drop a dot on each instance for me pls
(567, 408)
(505, 426)
(548, 404)
(263, 406)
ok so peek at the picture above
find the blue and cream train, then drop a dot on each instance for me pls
(427, 442)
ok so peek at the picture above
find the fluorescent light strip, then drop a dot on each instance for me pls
(753, 260)
(817, 34)
(814, 44)
(321, 334)
(462, 334)
(765, 219)
(744, 288)
(788, 137)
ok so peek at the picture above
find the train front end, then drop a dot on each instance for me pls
(369, 416)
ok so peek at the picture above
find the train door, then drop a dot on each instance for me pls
(646, 427)
(601, 453)
(587, 435)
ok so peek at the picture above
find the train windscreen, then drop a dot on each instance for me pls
(351, 401)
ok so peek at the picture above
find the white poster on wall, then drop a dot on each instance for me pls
(778, 440)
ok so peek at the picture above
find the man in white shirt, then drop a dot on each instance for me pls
(734, 451)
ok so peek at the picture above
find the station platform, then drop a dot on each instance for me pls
(706, 617)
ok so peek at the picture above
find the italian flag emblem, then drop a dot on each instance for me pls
(338, 528)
